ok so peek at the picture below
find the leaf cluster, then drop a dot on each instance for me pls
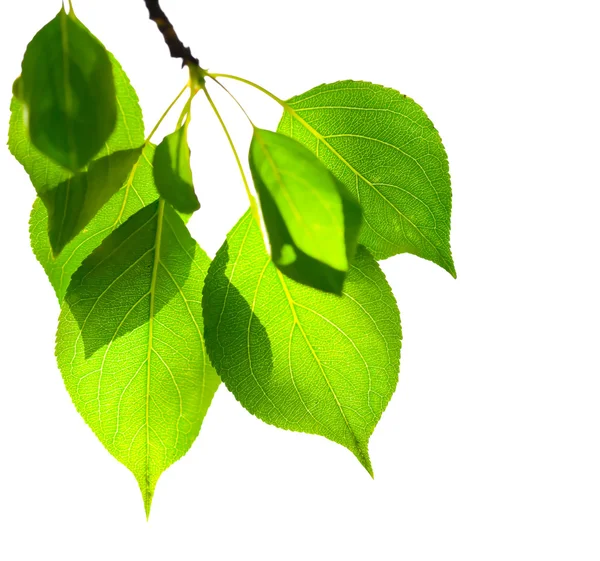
(294, 314)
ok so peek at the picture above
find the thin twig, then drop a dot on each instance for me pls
(176, 47)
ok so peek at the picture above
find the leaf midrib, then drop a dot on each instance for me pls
(296, 321)
(299, 216)
(67, 90)
(282, 185)
(111, 284)
(157, 247)
(292, 304)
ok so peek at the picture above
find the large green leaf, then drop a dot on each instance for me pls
(296, 357)
(312, 221)
(44, 172)
(73, 203)
(138, 192)
(130, 343)
(384, 148)
(68, 88)
(173, 174)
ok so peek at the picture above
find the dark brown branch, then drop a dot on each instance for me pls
(176, 47)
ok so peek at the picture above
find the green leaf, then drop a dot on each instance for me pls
(68, 88)
(45, 175)
(138, 192)
(173, 174)
(387, 152)
(44, 172)
(296, 357)
(73, 203)
(130, 343)
(312, 221)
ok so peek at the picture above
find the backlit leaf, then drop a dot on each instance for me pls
(45, 175)
(43, 172)
(387, 152)
(130, 343)
(173, 174)
(296, 357)
(312, 221)
(68, 89)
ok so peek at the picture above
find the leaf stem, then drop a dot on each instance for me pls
(284, 104)
(133, 171)
(235, 153)
(162, 117)
(186, 112)
(234, 99)
(215, 75)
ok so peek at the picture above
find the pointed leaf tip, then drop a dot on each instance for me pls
(147, 490)
(126, 312)
(362, 455)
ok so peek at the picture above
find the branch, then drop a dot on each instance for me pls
(176, 47)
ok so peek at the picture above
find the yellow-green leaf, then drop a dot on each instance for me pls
(296, 357)
(312, 220)
(130, 343)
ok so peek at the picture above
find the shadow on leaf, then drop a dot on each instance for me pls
(294, 262)
(74, 202)
(132, 275)
(236, 340)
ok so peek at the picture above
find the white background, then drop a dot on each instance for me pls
(490, 448)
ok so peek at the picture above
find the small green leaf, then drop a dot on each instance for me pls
(73, 203)
(68, 88)
(296, 357)
(44, 172)
(312, 221)
(387, 152)
(173, 174)
(130, 343)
